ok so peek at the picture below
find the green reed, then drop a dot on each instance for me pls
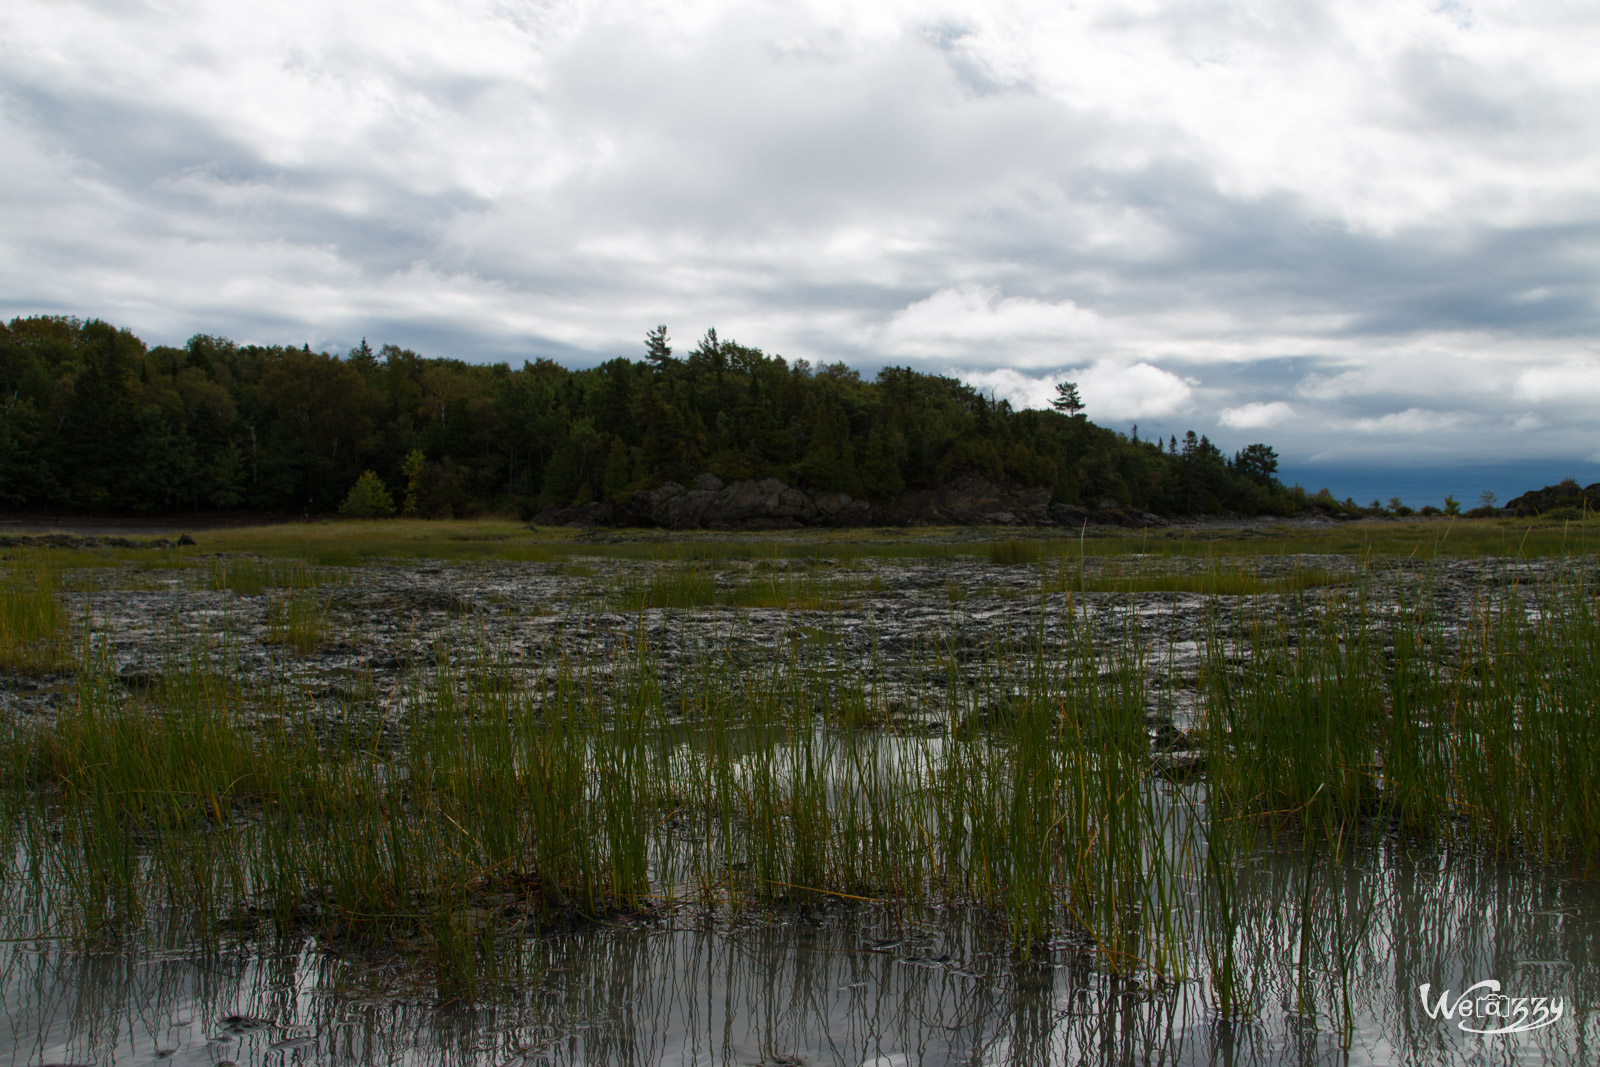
(1524, 738)
(696, 585)
(1215, 577)
(488, 802)
(33, 624)
(1294, 723)
(493, 794)
(298, 620)
(684, 586)
(794, 591)
(1361, 715)
(252, 577)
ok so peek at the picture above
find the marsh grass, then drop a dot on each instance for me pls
(1359, 717)
(480, 806)
(694, 585)
(352, 544)
(249, 576)
(1215, 577)
(33, 625)
(684, 586)
(489, 809)
(297, 619)
(796, 591)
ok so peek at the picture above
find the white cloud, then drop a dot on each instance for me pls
(1411, 421)
(1110, 391)
(977, 320)
(1256, 416)
(1577, 381)
(1010, 187)
(1007, 384)
(1133, 391)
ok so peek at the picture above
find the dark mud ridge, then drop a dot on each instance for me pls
(67, 540)
(770, 504)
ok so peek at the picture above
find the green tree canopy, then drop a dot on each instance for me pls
(90, 417)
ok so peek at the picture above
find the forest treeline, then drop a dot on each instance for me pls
(94, 419)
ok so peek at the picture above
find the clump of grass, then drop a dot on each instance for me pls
(252, 577)
(1295, 724)
(684, 586)
(1216, 579)
(1356, 718)
(694, 585)
(297, 619)
(32, 622)
(814, 545)
(803, 591)
(243, 576)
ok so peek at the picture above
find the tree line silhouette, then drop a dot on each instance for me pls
(93, 419)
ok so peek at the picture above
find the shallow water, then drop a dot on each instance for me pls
(1330, 956)
(857, 984)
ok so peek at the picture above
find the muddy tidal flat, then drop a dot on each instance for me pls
(951, 801)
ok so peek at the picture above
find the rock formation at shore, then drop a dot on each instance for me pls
(768, 504)
(1568, 494)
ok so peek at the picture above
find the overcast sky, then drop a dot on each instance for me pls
(1360, 231)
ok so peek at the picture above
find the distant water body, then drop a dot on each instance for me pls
(1421, 485)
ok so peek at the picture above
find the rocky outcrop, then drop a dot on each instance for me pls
(1552, 497)
(1108, 513)
(768, 504)
(967, 501)
(713, 504)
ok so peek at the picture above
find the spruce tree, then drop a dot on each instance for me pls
(656, 349)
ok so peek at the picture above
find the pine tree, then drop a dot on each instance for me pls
(1067, 400)
(656, 349)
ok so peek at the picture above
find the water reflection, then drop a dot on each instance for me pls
(1324, 945)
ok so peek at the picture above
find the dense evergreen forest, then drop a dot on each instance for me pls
(93, 419)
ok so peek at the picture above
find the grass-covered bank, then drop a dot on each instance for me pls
(896, 743)
(330, 543)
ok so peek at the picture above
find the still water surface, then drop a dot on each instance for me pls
(856, 984)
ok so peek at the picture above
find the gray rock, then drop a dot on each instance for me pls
(1068, 515)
